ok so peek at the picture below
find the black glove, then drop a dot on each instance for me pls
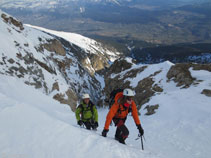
(96, 124)
(104, 132)
(141, 130)
(80, 123)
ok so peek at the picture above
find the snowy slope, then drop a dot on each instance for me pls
(42, 61)
(33, 125)
(182, 121)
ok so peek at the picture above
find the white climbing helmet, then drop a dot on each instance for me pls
(128, 92)
(85, 96)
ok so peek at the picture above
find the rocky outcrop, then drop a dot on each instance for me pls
(150, 80)
(181, 75)
(55, 86)
(92, 62)
(206, 92)
(71, 99)
(49, 63)
(206, 67)
(11, 20)
(98, 62)
(113, 78)
(157, 88)
(151, 109)
(144, 91)
(119, 66)
(118, 74)
(52, 46)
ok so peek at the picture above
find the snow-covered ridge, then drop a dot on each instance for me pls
(41, 60)
(89, 45)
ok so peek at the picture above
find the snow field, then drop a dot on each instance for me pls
(33, 125)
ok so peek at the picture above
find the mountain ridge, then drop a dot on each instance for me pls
(56, 66)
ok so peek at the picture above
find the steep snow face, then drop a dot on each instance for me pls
(34, 125)
(40, 60)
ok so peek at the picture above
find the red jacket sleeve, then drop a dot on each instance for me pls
(135, 114)
(110, 115)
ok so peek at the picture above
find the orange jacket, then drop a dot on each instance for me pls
(114, 111)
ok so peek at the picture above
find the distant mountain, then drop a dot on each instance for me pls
(149, 31)
(63, 3)
(157, 22)
(181, 53)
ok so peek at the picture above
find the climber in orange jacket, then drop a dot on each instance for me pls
(118, 113)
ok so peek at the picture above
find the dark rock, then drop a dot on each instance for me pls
(11, 61)
(22, 70)
(71, 100)
(206, 67)
(49, 69)
(55, 86)
(181, 75)
(53, 46)
(206, 92)
(36, 84)
(156, 88)
(11, 20)
(26, 44)
(28, 58)
(144, 91)
(98, 62)
(119, 66)
(151, 109)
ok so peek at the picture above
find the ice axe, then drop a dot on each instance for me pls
(142, 144)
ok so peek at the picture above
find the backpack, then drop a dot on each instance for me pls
(91, 108)
(112, 96)
(112, 100)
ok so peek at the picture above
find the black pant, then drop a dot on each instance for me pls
(89, 125)
(122, 131)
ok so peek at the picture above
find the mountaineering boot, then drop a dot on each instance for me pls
(122, 140)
